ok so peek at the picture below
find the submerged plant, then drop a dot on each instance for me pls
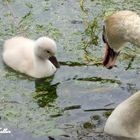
(90, 35)
(48, 30)
(45, 92)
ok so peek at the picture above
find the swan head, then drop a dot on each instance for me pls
(45, 48)
(120, 27)
(110, 54)
(117, 31)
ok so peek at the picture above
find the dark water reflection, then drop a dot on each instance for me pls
(46, 92)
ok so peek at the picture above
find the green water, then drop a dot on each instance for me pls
(76, 101)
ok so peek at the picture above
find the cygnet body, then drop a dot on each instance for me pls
(35, 58)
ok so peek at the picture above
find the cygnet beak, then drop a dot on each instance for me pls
(54, 61)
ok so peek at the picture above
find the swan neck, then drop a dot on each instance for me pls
(133, 34)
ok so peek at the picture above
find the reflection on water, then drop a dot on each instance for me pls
(45, 91)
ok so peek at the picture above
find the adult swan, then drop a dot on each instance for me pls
(120, 28)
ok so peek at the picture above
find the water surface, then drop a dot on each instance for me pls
(76, 101)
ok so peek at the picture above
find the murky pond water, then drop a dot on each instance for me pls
(76, 101)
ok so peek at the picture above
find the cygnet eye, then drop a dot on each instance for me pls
(48, 51)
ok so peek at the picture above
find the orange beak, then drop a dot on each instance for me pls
(110, 57)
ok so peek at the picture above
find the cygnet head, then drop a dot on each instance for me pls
(45, 48)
